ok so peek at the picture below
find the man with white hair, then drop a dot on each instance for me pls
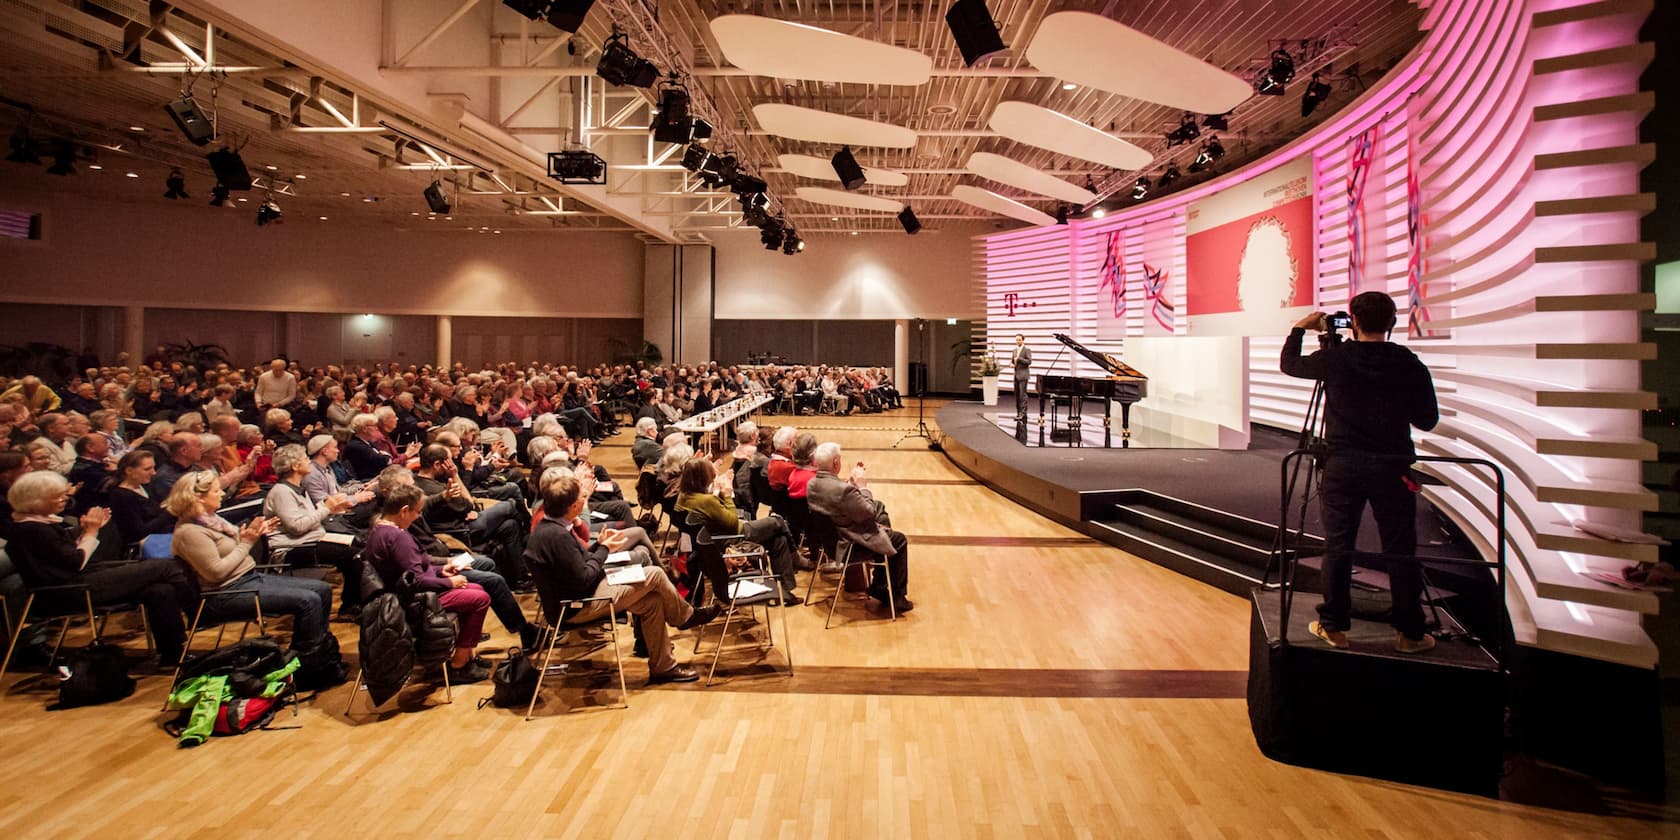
(276, 387)
(55, 434)
(645, 449)
(862, 521)
(36, 397)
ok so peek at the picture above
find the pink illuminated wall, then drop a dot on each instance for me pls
(1520, 121)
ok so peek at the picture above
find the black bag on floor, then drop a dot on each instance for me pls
(321, 667)
(514, 681)
(244, 663)
(98, 674)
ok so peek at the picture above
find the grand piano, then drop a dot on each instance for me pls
(1124, 385)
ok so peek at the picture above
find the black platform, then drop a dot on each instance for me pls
(1435, 719)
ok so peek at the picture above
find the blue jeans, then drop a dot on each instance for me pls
(304, 599)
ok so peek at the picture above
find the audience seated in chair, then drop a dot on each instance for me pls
(219, 554)
(299, 538)
(393, 553)
(48, 552)
(861, 520)
(701, 492)
(567, 569)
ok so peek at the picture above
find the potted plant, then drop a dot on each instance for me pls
(988, 378)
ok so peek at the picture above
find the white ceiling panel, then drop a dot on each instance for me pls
(787, 50)
(841, 198)
(1094, 51)
(796, 123)
(1034, 125)
(821, 169)
(1016, 174)
(992, 202)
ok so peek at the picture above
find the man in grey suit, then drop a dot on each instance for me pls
(1022, 362)
(858, 518)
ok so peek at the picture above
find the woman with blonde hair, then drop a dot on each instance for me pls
(220, 555)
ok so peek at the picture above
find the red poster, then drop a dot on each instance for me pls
(1259, 263)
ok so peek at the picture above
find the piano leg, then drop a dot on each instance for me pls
(1076, 419)
(1041, 425)
(1125, 425)
(1108, 406)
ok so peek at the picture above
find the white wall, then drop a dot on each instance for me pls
(191, 256)
(929, 275)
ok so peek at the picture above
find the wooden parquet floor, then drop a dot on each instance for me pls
(1045, 686)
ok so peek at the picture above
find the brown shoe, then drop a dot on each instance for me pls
(679, 674)
(1334, 638)
(1405, 645)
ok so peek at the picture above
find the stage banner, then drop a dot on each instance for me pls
(1365, 258)
(1250, 255)
(1158, 275)
(1417, 315)
(1112, 304)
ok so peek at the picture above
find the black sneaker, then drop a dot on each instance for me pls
(792, 600)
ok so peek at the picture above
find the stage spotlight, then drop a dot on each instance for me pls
(1140, 189)
(23, 146)
(846, 166)
(1278, 76)
(192, 120)
(976, 33)
(64, 160)
(435, 198)
(725, 169)
(770, 234)
(1099, 212)
(230, 169)
(218, 195)
(1317, 91)
(1168, 177)
(268, 212)
(907, 218)
(695, 158)
(745, 184)
(620, 65)
(754, 215)
(1210, 152)
(1217, 122)
(672, 124)
(700, 130)
(568, 15)
(533, 9)
(1186, 131)
(577, 167)
(791, 243)
(1061, 214)
(176, 184)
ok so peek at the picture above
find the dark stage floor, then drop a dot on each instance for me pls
(1243, 482)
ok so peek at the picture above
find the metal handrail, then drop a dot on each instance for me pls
(1290, 560)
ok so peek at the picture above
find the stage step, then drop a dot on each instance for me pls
(1212, 546)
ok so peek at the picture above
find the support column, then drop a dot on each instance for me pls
(901, 355)
(445, 341)
(134, 334)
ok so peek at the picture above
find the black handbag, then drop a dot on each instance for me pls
(98, 674)
(513, 681)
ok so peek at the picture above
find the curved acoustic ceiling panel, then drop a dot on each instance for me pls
(1027, 123)
(1016, 174)
(840, 198)
(806, 166)
(787, 50)
(1094, 51)
(992, 202)
(796, 123)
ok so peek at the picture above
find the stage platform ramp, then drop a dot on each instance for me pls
(1434, 719)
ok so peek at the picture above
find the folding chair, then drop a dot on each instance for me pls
(872, 560)
(553, 623)
(96, 616)
(720, 545)
(221, 623)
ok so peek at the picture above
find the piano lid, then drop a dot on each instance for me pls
(1114, 366)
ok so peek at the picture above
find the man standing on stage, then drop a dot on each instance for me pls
(1022, 361)
(1374, 391)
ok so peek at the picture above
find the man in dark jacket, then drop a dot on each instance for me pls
(861, 520)
(450, 506)
(90, 475)
(1374, 392)
(565, 569)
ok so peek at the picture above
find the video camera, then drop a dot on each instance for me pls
(1338, 321)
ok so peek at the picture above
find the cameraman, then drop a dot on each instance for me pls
(1373, 392)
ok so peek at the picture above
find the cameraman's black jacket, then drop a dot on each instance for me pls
(1373, 391)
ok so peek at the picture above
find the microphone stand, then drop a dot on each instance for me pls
(922, 430)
